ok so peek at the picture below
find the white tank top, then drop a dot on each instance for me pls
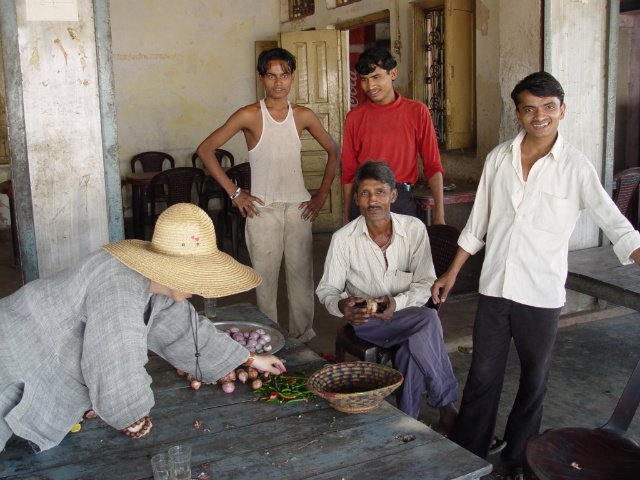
(276, 168)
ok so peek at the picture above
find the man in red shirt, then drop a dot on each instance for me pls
(392, 129)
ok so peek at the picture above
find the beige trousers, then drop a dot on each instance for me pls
(278, 231)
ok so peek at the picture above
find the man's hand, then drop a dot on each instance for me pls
(356, 315)
(390, 309)
(635, 256)
(245, 205)
(442, 286)
(312, 207)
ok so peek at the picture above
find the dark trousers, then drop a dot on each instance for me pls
(404, 204)
(421, 356)
(534, 332)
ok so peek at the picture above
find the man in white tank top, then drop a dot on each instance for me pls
(279, 207)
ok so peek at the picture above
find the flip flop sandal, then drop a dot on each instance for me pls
(515, 473)
(497, 445)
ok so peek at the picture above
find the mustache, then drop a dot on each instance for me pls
(373, 207)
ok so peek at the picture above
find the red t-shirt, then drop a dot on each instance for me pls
(394, 133)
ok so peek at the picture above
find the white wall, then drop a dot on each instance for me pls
(578, 61)
(181, 69)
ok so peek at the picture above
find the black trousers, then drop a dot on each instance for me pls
(404, 204)
(533, 331)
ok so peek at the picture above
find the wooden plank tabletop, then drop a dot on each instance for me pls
(598, 272)
(243, 438)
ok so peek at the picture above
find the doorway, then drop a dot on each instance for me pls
(362, 33)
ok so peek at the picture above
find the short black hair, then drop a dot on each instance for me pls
(286, 58)
(540, 84)
(375, 170)
(375, 57)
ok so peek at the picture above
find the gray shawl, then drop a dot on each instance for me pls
(78, 340)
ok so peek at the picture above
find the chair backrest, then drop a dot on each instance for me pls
(151, 161)
(220, 155)
(177, 184)
(626, 185)
(444, 245)
(627, 405)
(241, 175)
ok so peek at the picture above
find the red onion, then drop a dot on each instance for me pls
(242, 375)
(228, 387)
(195, 384)
(180, 372)
(253, 373)
(256, 384)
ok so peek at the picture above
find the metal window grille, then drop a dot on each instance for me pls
(301, 8)
(434, 69)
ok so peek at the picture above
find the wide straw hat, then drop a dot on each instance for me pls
(183, 255)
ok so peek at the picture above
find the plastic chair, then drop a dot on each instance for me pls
(152, 161)
(625, 190)
(589, 454)
(241, 176)
(212, 189)
(444, 245)
(176, 185)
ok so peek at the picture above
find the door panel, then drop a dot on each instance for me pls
(319, 86)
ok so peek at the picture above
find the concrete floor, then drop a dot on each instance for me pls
(595, 354)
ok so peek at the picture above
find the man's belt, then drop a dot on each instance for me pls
(405, 187)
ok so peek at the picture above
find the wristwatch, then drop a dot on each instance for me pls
(250, 360)
(235, 194)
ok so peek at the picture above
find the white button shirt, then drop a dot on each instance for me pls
(528, 224)
(355, 265)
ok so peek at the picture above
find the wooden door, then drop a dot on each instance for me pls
(319, 85)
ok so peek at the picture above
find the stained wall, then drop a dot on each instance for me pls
(181, 69)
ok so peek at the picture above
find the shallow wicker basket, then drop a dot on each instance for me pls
(354, 387)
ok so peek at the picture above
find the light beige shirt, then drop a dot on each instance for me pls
(528, 224)
(355, 265)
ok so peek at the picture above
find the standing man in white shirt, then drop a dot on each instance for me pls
(385, 256)
(530, 196)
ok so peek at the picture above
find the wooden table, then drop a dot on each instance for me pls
(240, 438)
(598, 272)
(425, 202)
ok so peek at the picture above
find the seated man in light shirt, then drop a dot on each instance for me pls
(529, 198)
(386, 256)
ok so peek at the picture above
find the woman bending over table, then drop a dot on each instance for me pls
(78, 340)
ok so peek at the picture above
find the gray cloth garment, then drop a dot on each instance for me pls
(77, 340)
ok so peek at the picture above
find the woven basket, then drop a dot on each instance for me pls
(354, 387)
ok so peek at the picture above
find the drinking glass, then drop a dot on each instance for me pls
(162, 466)
(180, 456)
(210, 307)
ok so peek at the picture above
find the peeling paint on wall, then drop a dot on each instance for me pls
(483, 14)
(34, 61)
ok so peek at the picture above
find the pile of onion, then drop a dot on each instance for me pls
(256, 341)
(227, 382)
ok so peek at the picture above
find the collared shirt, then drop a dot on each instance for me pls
(528, 224)
(355, 265)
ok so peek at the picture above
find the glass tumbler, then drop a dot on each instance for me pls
(180, 456)
(162, 466)
(210, 307)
